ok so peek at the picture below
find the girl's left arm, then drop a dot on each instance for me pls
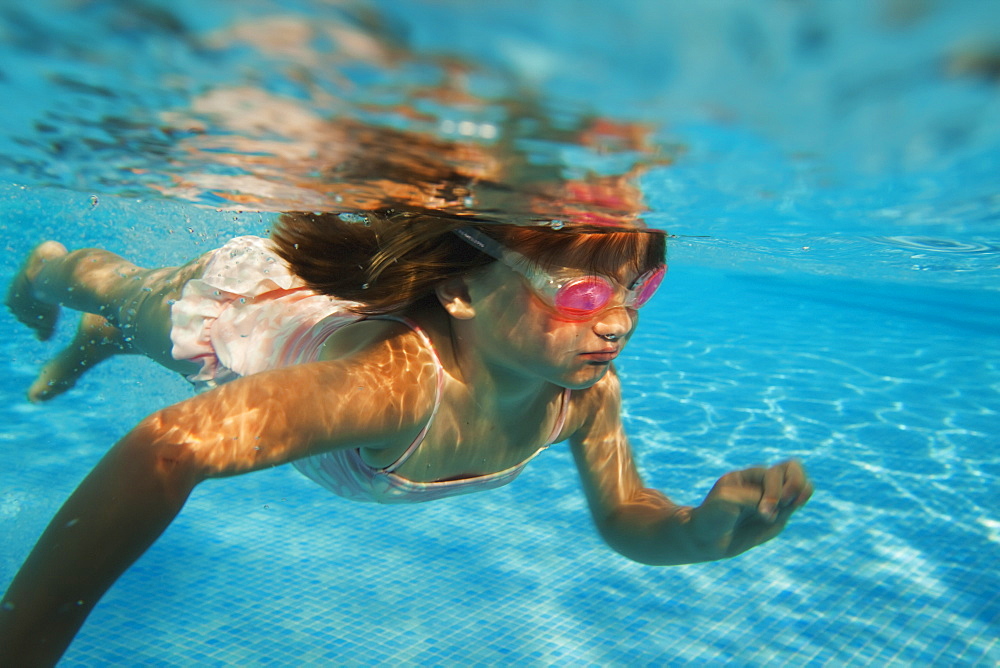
(744, 508)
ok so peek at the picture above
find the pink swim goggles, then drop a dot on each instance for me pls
(573, 296)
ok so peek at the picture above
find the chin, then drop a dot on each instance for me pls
(585, 378)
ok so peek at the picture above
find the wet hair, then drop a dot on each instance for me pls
(387, 260)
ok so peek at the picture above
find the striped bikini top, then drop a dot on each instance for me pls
(346, 474)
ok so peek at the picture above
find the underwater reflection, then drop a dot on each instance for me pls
(334, 113)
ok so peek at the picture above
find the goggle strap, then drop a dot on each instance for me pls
(481, 242)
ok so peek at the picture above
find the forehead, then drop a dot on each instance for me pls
(619, 255)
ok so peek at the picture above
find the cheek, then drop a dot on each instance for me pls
(561, 339)
(509, 314)
(516, 314)
(496, 301)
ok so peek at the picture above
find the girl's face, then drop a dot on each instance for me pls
(519, 332)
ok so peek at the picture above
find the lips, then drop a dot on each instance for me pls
(601, 356)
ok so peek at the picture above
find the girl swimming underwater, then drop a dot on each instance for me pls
(391, 357)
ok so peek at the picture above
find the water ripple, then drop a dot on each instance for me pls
(937, 245)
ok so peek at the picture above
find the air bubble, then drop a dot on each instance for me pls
(353, 218)
(557, 224)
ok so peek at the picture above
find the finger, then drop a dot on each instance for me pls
(797, 489)
(767, 485)
(795, 479)
(771, 492)
(751, 477)
(735, 498)
(777, 525)
(804, 495)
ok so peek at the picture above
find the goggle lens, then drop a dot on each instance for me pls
(647, 286)
(582, 297)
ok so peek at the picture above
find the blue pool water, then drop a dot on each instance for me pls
(833, 296)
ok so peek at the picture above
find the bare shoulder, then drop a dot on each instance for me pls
(390, 357)
(364, 335)
(395, 364)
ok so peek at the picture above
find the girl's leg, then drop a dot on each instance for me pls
(131, 305)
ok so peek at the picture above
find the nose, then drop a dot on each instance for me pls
(615, 323)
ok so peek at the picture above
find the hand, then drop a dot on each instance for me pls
(749, 507)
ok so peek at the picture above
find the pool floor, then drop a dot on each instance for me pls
(887, 393)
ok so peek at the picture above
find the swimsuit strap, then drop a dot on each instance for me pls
(438, 391)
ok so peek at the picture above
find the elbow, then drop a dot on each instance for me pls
(155, 450)
(626, 542)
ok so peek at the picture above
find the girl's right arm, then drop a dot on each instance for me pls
(374, 399)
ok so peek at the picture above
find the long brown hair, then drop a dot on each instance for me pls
(386, 260)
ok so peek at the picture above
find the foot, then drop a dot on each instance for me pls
(95, 341)
(36, 314)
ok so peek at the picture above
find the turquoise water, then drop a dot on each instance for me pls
(832, 296)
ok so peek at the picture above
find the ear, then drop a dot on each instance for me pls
(454, 297)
